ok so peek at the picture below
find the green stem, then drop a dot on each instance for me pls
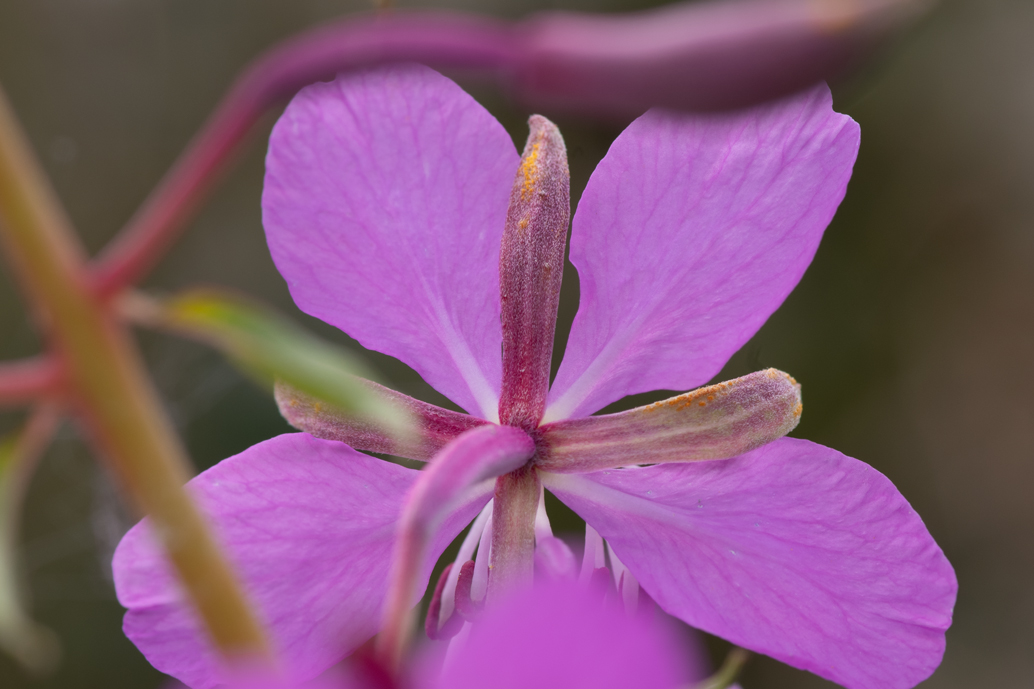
(108, 387)
(729, 670)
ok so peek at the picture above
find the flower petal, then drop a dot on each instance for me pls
(691, 232)
(559, 636)
(714, 422)
(310, 525)
(384, 205)
(793, 550)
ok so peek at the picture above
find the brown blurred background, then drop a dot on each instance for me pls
(912, 332)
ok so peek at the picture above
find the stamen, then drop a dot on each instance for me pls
(465, 606)
(627, 585)
(437, 627)
(479, 583)
(593, 557)
(542, 527)
(554, 560)
(645, 605)
(600, 580)
(465, 554)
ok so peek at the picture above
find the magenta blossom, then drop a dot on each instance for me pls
(391, 209)
(556, 635)
(559, 636)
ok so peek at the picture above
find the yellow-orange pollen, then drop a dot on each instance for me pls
(530, 170)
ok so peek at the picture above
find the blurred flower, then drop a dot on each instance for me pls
(390, 210)
(557, 635)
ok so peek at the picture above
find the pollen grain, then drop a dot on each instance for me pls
(530, 170)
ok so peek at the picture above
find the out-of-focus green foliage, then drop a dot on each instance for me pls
(269, 347)
(32, 645)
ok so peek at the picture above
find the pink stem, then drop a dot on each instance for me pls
(28, 380)
(436, 39)
(688, 55)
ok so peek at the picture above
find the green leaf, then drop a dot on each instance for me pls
(270, 347)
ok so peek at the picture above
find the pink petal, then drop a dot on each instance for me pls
(793, 550)
(560, 636)
(690, 233)
(384, 204)
(310, 525)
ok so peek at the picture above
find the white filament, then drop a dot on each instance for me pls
(470, 541)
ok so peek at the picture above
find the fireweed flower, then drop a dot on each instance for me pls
(391, 209)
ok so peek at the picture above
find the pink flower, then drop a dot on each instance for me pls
(386, 199)
(559, 636)
(554, 636)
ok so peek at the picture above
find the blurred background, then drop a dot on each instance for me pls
(912, 332)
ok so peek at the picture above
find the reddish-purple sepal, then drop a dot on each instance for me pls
(431, 427)
(714, 422)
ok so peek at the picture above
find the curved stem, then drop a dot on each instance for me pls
(729, 670)
(28, 380)
(686, 55)
(436, 39)
(109, 389)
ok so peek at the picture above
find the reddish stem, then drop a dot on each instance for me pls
(436, 39)
(28, 380)
(699, 55)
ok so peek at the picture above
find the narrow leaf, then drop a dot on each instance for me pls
(271, 348)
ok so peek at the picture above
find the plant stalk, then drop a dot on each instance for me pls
(110, 391)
